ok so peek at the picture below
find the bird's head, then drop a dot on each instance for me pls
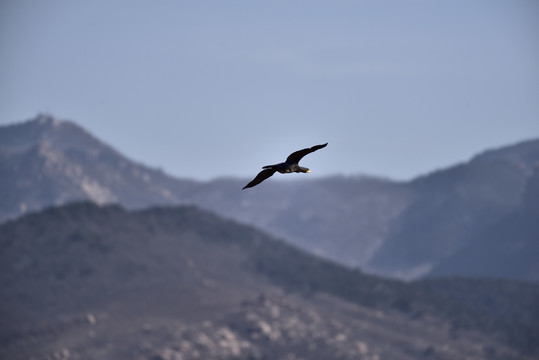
(304, 169)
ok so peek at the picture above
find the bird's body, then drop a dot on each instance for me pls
(285, 168)
(289, 166)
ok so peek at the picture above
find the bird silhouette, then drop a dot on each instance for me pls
(289, 166)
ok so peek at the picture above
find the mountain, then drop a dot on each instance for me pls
(452, 208)
(512, 244)
(46, 161)
(85, 281)
(399, 229)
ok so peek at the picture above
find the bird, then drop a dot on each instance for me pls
(289, 166)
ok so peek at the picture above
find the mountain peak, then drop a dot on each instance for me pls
(58, 133)
(46, 161)
(47, 120)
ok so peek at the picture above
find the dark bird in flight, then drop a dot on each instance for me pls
(289, 166)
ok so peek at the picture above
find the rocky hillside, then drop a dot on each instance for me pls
(47, 161)
(82, 281)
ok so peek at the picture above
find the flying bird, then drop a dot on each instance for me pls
(289, 166)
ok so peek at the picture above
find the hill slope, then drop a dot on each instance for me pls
(512, 244)
(451, 208)
(46, 162)
(82, 281)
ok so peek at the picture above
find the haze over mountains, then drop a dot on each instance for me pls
(460, 220)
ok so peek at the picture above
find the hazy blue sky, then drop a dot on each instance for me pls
(215, 88)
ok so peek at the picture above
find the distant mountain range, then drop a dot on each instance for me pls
(447, 222)
(458, 209)
(508, 248)
(83, 281)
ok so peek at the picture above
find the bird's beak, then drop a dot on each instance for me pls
(308, 171)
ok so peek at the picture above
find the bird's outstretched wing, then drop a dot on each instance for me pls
(263, 175)
(295, 157)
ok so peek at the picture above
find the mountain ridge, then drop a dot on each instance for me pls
(399, 229)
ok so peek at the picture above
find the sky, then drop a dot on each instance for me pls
(206, 89)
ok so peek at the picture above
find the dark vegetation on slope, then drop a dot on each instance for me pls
(501, 308)
(88, 254)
